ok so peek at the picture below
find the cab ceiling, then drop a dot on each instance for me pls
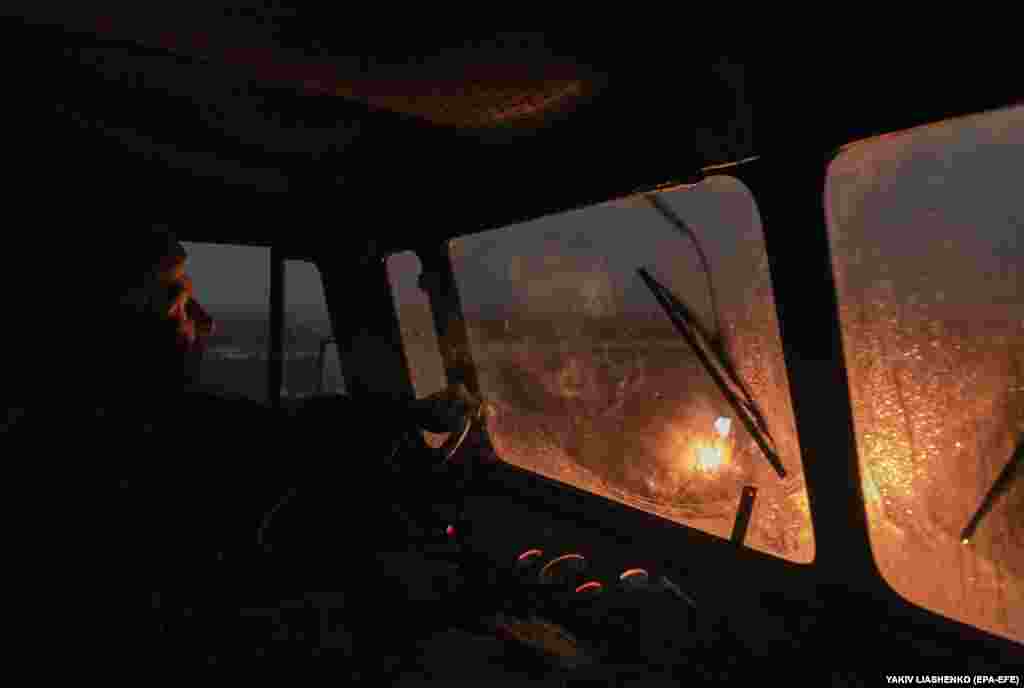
(259, 126)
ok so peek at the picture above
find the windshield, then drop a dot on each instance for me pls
(926, 231)
(590, 383)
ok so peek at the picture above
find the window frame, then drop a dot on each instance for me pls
(371, 372)
(276, 309)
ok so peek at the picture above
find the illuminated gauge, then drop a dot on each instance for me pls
(635, 578)
(529, 563)
(566, 570)
(590, 588)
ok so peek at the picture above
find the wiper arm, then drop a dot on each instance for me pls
(677, 222)
(714, 339)
(717, 366)
(999, 488)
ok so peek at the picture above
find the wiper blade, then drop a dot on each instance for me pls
(717, 366)
(1000, 487)
(714, 338)
(677, 222)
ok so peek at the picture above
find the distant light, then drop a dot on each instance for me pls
(965, 541)
(723, 425)
(709, 458)
(450, 531)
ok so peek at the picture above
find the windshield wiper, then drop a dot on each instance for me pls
(718, 366)
(1000, 487)
(716, 344)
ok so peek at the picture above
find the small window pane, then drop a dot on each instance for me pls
(926, 231)
(233, 284)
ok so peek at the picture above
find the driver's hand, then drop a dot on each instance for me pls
(447, 410)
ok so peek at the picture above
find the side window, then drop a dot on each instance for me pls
(422, 351)
(233, 284)
(311, 357)
(591, 385)
(926, 230)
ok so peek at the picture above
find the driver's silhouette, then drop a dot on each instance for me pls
(170, 325)
(165, 518)
(159, 437)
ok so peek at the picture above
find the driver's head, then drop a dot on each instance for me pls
(161, 315)
(173, 301)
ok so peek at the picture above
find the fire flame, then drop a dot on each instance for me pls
(712, 454)
(709, 458)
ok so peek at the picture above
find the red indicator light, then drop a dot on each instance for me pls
(450, 531)
(590, 586)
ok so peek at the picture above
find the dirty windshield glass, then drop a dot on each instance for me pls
(589, 383)
(926, 229)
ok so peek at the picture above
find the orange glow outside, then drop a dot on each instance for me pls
(709, 457)
(714, 453)
(711, 453)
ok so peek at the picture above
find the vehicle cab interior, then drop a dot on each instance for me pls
(581, 364)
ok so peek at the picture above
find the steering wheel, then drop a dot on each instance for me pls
(455, 440)
(452, 410)
(429, 476)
